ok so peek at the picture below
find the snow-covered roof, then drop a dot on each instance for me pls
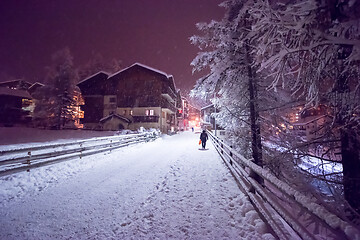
(14, 92)
(16, 80)
(144, 66)
(103, 72)
(171, 78)
(208, 106)
(36, 84)
(109, 117)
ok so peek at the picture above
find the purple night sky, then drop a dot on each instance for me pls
(152, 32)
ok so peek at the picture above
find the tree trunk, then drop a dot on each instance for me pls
(350, 144)
(351, 167)
(256, 146)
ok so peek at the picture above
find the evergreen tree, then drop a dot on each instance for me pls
(55, 102)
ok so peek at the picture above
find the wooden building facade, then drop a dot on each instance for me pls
(137, 96)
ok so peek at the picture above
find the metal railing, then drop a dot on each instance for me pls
(289, 213)
(24, 159)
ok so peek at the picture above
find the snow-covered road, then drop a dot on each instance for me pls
(166, 189)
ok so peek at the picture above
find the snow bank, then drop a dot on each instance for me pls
(23, 135)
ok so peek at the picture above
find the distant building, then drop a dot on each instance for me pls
(34, 87)
(15, 103)
(18, 84)
(209, 122)
(137, 96)
(183, 116)
(194, 116)
(312, 122)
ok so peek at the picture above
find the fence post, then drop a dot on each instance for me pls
(28, 161)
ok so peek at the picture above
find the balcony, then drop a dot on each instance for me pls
(168, 94)
(145, 119)
(170, 106)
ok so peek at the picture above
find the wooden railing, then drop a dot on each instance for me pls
(24, 159)
(289, 213)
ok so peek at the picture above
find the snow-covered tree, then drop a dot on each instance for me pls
(232, 81)
(295, 53)
(55, 102)
(312, 47)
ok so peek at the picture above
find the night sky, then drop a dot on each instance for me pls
(152, 32)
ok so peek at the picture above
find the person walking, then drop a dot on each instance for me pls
(203, 137)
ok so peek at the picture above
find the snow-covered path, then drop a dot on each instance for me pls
(166, 189)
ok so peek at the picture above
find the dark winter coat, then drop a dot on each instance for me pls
(203, 136)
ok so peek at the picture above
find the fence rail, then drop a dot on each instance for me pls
(289, 214)
(24, 159)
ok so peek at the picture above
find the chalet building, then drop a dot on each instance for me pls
(183, 115)
(137, 96)
(15, 103)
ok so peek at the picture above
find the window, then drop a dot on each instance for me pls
(163, 114)
(147, 112)
(151, 112)
(112, 99)
(124, 112)
(131, 112)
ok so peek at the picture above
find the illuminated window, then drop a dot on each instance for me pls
(131, 112)
(147, 112)
(124, 112)
(151, 112)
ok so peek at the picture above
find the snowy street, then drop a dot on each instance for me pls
(166, 189)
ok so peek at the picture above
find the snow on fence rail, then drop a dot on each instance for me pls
(23, 159)
(277, 202)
